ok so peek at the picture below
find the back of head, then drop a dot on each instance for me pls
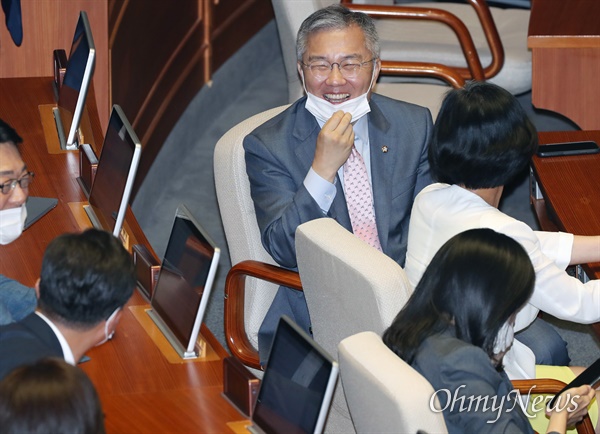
(84, 278)
(482, 137)
(337, 17)
(8, 134)
(474, 283)
(49, 396)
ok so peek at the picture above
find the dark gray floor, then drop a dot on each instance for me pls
(250, 82)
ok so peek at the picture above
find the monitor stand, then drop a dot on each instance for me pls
(207, 352)
(183, 353)
(92, 216)
(60, 130)
(53, 143)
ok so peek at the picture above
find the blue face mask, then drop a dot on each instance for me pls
(323, 109)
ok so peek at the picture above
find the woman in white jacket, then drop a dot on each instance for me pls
(482, 139)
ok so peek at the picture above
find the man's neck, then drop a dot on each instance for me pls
(79, 341)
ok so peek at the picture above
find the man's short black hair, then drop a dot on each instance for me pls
(85, 277)
(8, 134)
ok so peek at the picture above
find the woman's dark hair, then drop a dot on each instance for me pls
(474, 283)
(482, 137)
(49, 396)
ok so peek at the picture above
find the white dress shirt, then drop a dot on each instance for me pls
(66, 349)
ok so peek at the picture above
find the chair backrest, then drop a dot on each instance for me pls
(423, 40)
(239, 218)
(349, 287)
(385, 394)
(429, 41)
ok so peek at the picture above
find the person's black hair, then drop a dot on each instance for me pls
(474, 283)
(85, 277)
(49, 396)
(8, 134)
(482, 137)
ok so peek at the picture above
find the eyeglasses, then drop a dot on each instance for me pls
(349, 69)
(23, 182)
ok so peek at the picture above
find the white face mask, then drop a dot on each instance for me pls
(108, 336)
(505, 338)
(12, 222)
(323, 109)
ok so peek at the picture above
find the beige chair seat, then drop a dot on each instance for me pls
(384, 393)
(428, 41)
(239, 219)
(426, 95)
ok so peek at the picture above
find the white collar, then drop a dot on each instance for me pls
(66, 349)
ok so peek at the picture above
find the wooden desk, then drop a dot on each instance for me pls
(140, 390)
(564, 37)
(55, 174)
(570, 192)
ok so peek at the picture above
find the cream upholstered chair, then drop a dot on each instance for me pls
(384, 393)
(349, 287)
(246, 302)
(499, 35)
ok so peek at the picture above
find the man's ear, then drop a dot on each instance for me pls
(377, 71)
(37, 288)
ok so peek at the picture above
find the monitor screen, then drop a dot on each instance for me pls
(184, 283)
(73, 92)
(115, 174)
(297, 387)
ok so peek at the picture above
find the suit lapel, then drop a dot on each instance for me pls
(382, 165)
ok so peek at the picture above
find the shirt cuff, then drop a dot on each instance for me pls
(558, 246)
(321, 190)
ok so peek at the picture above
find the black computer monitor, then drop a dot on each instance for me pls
(184, 283)
(117, 167)
(73, 92)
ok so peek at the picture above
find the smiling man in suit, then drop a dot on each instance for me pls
(85, 281)
(340, 152)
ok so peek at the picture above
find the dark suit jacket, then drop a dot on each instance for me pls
(25, 342)
(279, 154)
(459, 371)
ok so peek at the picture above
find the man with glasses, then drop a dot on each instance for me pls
(16, 300)
(340, 152)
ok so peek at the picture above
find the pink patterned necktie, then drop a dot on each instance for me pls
(359, 199)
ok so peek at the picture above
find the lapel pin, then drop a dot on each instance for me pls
(384, 149)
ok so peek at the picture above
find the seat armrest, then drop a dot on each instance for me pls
(551, 386)
(235, 333)
(474, 70)
(449, 74)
